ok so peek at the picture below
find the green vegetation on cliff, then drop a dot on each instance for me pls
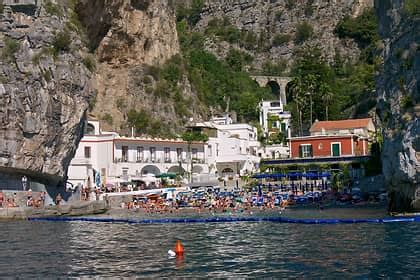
(364, 30)
(215, 79)
(333, 90)
(224, 30)
(337, 90)
(11, 46)
(412, 8)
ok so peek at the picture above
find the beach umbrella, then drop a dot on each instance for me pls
(278, 175)
(326, 174)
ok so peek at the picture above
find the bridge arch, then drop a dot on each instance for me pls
(282, 83)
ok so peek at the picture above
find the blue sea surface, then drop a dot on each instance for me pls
(228, 250)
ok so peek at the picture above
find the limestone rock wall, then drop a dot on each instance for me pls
(399, 93)
(282, 17)
(130, 32)
(43, 97)
(128, 36)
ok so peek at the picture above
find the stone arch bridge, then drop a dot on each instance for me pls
(281, 82)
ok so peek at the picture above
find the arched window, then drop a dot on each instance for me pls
(227, 171)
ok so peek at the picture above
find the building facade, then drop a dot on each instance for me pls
(116, 158)
(273, 118)
(328, 146)
(275, 124)
(231, 149)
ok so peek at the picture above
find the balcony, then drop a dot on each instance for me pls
(160, 160)
(147, 160)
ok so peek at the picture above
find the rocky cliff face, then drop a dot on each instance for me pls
(130, 32)
(276, 22)
(128, 37)
(44, 93)
(399, 93)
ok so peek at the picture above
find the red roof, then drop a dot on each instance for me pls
(344, 124)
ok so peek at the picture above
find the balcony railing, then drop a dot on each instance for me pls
(158, 160)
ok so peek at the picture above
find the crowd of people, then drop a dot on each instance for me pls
(8, 202)
(237, 201)
(29, 199)
(36, 201)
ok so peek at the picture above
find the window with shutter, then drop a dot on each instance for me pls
(305, 150)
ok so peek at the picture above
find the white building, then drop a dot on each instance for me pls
(273, 118)
(231, 148)
(118, 158)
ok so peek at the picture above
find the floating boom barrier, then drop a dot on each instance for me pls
(230, 220)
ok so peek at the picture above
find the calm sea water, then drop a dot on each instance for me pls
(79, 249)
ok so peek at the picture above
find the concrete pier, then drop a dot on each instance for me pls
(78, 208)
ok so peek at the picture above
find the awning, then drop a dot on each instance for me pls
(169, 175)
(311, 175)
(294, 174)
(269, 175)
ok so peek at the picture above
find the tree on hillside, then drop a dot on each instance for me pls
(297, 88)
(327, 97)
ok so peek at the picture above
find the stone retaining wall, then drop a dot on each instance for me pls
(79, 208)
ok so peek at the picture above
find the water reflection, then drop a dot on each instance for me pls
(257, 250)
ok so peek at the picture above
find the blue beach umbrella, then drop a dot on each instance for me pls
(326, 174)
(311, 175)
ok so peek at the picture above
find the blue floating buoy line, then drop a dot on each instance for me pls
(230, 220)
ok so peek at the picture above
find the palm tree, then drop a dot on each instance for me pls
(297, 89)
(327, 97)
(310, 83)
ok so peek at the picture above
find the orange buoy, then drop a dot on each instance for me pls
(179, 249)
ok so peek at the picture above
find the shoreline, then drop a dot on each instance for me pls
(99, 209)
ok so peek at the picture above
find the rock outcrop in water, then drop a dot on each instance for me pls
(399, 93)
(44, 94)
